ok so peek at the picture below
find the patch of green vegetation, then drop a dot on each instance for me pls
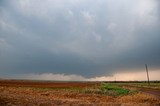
(108, 89)
(113, 89)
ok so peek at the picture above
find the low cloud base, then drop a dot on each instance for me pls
(129, 76)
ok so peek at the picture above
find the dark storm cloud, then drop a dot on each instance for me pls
(78, 36)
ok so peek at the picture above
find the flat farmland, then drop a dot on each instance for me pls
(53, 93)
(45, 84)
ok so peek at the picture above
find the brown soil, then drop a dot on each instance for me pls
(45, 84)
(152, 92)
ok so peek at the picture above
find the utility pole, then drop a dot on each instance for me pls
(147, 74)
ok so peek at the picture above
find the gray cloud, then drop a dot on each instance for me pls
(79, 37)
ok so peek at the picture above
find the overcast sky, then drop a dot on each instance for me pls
(82, 38)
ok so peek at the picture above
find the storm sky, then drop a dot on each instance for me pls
(82, 38)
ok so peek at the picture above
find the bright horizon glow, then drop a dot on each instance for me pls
(123, 76)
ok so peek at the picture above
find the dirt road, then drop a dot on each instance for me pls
(152, 92)
(149, 91)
